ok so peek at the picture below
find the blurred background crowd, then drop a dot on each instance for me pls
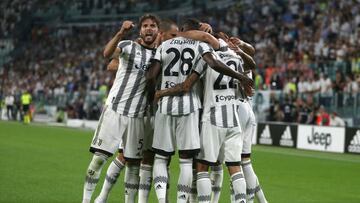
(307, 52)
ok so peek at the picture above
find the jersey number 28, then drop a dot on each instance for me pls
(178, 55)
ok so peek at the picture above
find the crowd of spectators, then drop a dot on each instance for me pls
(302, 48)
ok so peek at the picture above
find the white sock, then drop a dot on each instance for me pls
(232, 194)
(145, 183)
(203, 185)
(112, 175)
(193, 194)
(92, 175)
(160, 176)
(252, 183)
(239, 187)
(168, 185)
(185, 180)
(131, 183)
(216, 176)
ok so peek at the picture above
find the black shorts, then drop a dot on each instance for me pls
(26, 108)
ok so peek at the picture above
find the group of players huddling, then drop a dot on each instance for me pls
(187, 90)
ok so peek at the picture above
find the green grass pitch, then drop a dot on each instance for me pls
(48, 164)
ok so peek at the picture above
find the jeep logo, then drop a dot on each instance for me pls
(319, 138)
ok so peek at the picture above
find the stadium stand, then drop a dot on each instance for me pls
(307, 52)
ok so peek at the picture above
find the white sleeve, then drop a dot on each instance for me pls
(200, 66)
(124, 43)
(158, 54)
(204, 48)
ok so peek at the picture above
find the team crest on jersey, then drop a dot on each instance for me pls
(143, 67)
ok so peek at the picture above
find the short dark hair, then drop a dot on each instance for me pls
(166, 24)
(153, 17)
(190, 24)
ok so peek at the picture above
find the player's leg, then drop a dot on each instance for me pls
(147, 162)
(26, 114)
(164, 146)
(216, 176)
(210, 146)
(145, 176)
(232, 150)
(105, 142)
(188, 144)
(193, 193)
(252, 182)
(133, 153)
(92, 175)
(111, 177)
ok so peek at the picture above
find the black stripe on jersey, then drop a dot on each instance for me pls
(201, 50)
(212, 116)
(181, 105)
(234, 116)
(169, 104)
(224, 116)
(192, 107)
(126, 77)
(136, 84)
(138, 106)
(123, 44)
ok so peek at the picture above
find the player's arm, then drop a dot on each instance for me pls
(151, 77)
(220, 67)
(249, 63)
(111, 46)
(201, 36)
(178, 89)
(113, 65)
(246, 47)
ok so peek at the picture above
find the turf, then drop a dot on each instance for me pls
(47, 164)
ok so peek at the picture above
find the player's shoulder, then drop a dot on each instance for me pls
(124, 43)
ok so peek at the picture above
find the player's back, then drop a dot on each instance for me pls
(220, 91)
(178, 57)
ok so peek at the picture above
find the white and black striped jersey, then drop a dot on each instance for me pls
(220, 91)
(241, 93)
(178, 57)
(127, 96)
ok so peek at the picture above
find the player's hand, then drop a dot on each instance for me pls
(158, 40)
(139, 40)
(205, 27)
(236, 41)
(157, 97)
(126, 26)
(248, 85)
(233, 47)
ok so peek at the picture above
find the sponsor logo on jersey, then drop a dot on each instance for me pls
(265, 137)
(169, 84)
(286, 138)
(219, 98)
(319, 138)
(143, 67)
(222, 55)
(355, 143)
